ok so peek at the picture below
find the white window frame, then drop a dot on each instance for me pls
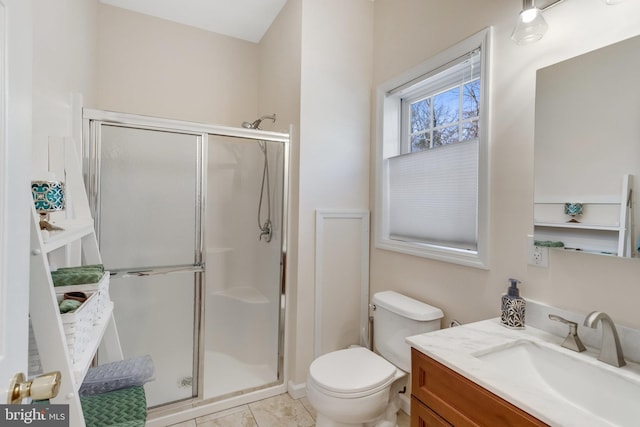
(388, 144)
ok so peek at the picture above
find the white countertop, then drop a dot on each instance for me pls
(456, 348)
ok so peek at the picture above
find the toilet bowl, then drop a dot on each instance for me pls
(350, 386)
(356, 387)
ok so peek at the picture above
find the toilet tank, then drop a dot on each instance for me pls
(396, 317)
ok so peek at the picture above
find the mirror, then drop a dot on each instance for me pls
(587, 152)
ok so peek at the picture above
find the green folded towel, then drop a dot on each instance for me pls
(93, 267)
(125, 407)
(548, 244)
(69, 305)
(84, 274)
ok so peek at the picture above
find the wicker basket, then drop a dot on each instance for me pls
(103, 305)
(78, 326)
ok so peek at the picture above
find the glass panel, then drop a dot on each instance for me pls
(444, 136)
(155, 316)
(446, 107)
(148, 197)
(470, 130)
(420, 142)
(471, 100)
(243, 287)
(148, 210)
(420, 115)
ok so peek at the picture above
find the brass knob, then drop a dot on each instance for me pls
(45, 386)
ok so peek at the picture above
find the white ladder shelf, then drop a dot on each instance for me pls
(76, 244)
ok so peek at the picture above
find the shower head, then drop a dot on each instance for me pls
(256, 123)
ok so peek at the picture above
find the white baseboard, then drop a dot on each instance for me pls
(296, 391)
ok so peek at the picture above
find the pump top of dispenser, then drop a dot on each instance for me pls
(513, 290)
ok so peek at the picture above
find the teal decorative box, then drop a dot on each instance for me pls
(573, 209)
(48, 196)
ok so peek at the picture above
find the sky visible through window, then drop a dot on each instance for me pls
(446, 117)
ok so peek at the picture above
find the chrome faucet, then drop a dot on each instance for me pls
(610, 351)
(572, 341)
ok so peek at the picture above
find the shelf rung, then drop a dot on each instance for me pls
(73, 230)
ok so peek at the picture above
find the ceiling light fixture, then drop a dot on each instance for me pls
(530, 26)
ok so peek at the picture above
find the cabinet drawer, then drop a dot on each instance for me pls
(421, 416)
(460, 401)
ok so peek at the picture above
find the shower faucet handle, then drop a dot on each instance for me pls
(267, 231)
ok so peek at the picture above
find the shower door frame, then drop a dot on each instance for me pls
(92, 119)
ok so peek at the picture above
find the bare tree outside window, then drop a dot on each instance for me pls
(446, 118)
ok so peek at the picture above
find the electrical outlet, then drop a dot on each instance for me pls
(538, 255)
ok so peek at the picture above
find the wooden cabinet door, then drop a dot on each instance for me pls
(421, 416)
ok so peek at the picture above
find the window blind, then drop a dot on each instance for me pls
(464, 68)
(433, 196)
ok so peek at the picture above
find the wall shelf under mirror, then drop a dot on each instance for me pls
(604, 228)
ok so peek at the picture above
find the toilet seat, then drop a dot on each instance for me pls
(351, 373)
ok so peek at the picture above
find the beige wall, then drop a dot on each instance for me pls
(279, 92)
(155, 67)
(315, 73)
(334, 137)
(64, 62)
(407, 32)
(279, 68)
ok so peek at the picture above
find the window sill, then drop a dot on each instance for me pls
(438, 253)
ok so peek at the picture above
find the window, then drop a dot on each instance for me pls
(451, 116)
(432, 157)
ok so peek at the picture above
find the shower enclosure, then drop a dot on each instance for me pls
(197, 283)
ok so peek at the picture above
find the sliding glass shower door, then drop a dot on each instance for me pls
(191, 222)
(148, 221)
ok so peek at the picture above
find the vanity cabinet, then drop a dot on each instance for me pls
(442, 397)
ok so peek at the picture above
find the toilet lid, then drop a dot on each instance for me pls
(351, 371)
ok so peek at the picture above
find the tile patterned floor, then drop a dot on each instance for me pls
(277, 411)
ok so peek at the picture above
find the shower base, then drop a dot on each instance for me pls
(225, 374)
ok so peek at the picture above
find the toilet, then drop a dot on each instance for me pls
(356, 387)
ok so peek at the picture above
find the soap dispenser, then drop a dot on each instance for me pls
(513, 306)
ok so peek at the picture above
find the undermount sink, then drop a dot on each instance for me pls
(587, 385)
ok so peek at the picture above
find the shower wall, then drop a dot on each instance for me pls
(243, 272)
